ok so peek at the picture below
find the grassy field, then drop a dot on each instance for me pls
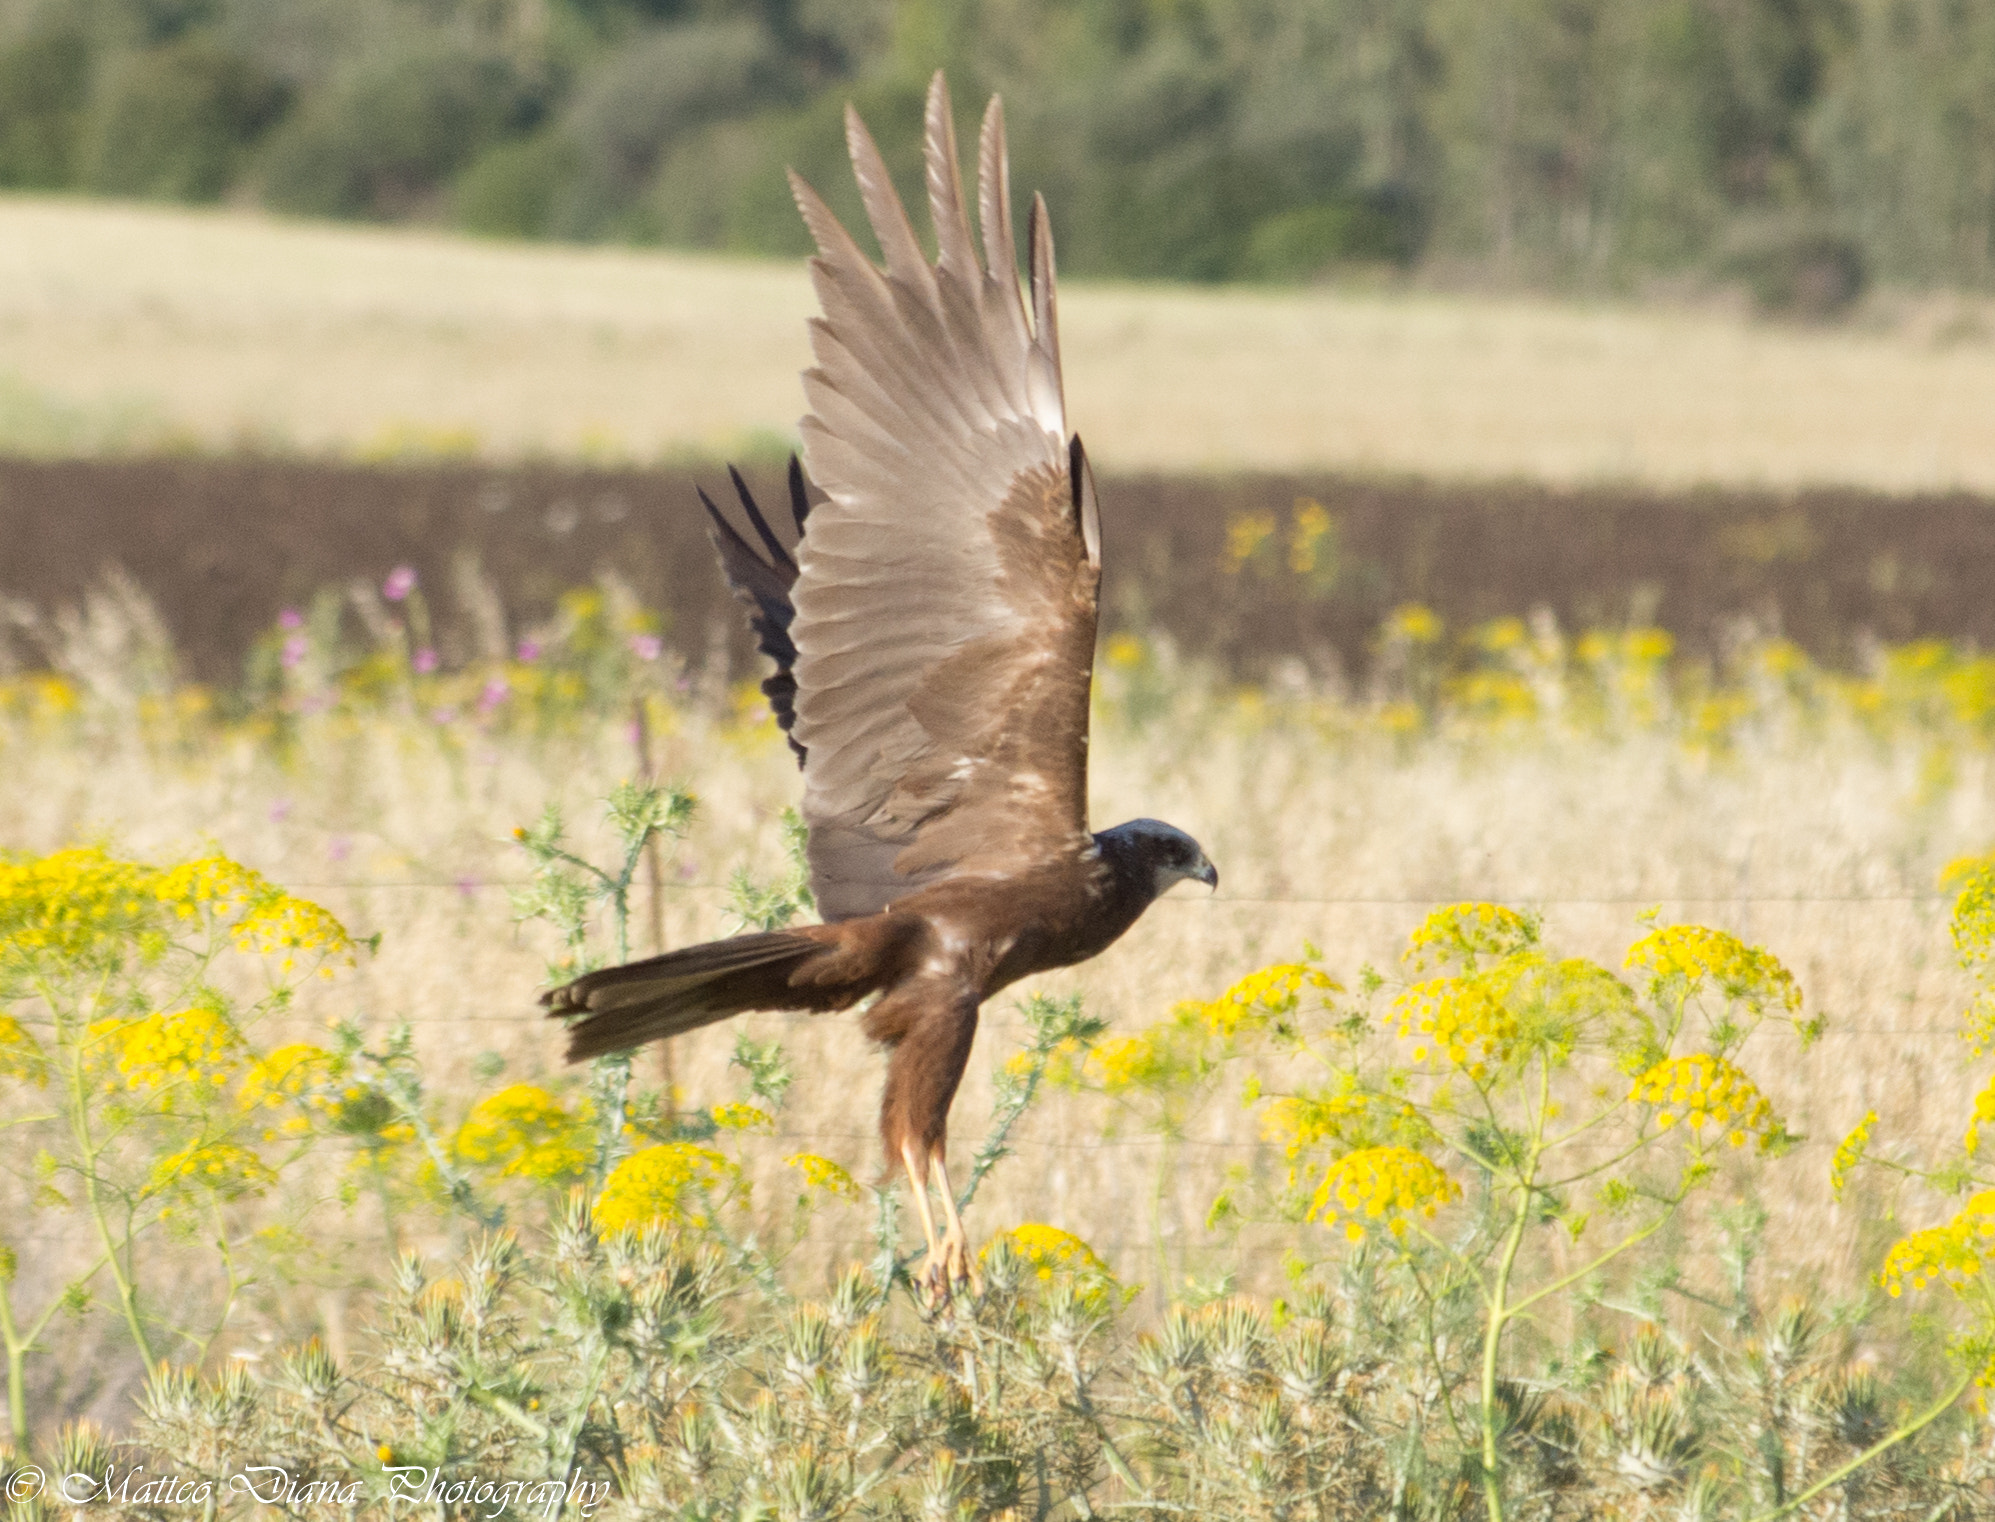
(1799, 810)
(122, 326)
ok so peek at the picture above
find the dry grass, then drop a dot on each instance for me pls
(125, 324)
(1818, 840)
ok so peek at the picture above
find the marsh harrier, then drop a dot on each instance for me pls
(932, 627)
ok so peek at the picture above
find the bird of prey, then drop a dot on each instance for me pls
(932, 628)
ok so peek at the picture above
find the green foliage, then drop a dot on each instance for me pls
(44, 89)
(177, 122)
(1799, 148)
(382, 139)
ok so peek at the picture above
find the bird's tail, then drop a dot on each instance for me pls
(626, 1006)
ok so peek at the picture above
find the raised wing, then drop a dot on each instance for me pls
(761, 580)
(945, 600)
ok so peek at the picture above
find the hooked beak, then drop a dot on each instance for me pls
(1209, 875)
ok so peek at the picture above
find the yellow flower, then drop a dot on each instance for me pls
(1312, 526)
(168, 1047)
(1974, 939)
(1263, 996)
(660, 1183)
(1123, 652)
(1680, 957)
(1952, 1252)
(823, 1173)
(1853, 1147)
(1049, 1250)
(83, 908)
(1245, 534)
(291, 1072)
(1127, 1062)
(1459, 1019)
(742, 1117)
(1381, 1185)
(527, 1133)
(1466, 933)
(224, 1167)
(1702, 1090)
(1413, 624)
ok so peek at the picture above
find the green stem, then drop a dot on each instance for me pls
(17, 1359)
(1607, 1257)
(1883, 1445)
(1492, 1341)
(128, 1300)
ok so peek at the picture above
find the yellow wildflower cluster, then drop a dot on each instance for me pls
(1245, 534)
(1952, 1252)
(84, 907)
(1974, 940)
(1299, 1122)
(1381, 1185)
(823, 1173)
(1460, 1019)
(1851, 1152)
(75, 906)
(1050, 1250)
(292, 1072)
(660, 1183)
(1263, 996)
(742, 1117)
(1467, 933)
(1702, 1090)
(526, 1132)
(225, 1168)
(1680, 957)
(200, 1044)
(1144, 1060)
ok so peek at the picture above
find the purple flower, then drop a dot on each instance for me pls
(529, 651)
(646, 647)
(400, 583)
(467, 886)
(339, 848)
(280, 811)
(425, 661)
(290, 618)
(496, 692)
(294, 651)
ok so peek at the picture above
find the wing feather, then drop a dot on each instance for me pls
(945, 594)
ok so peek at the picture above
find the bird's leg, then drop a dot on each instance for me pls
(956, 1260)
(933, 1279)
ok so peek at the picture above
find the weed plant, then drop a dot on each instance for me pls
(1496, 1252)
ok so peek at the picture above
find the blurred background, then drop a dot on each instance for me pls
(1801, 148)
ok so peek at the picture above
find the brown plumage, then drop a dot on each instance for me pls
(932, 629)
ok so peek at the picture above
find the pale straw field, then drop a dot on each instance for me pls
(127, 326)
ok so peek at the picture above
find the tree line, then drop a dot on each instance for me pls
(1801, 148)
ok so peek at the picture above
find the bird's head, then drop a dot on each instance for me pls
(1163, 851)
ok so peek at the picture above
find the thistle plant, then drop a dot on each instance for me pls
(567, 889)
(139, 1102)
